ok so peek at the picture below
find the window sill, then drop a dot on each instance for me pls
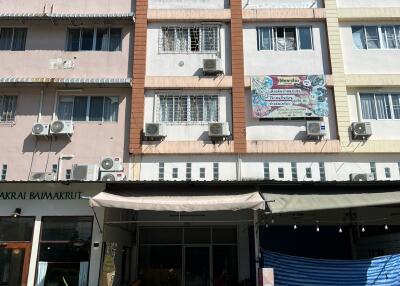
(187, 123)
(93, 122)
(7, 123)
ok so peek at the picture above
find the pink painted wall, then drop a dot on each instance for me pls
(46, 41)
(90, 141)
(63, 6)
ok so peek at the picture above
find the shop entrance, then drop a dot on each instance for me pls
(15, 249)
(14, 263)
(190, 256)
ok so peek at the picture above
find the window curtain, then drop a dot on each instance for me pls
(396, 105)
(87, 39)
(96, 108)
(280, 39)
(73, 39)
(182, 39)
(41, 273)
(211, 109)
(80, 108)
(19, 39)
(166, 109)
(390, 38)
(115, 39)
(65, 105)
(382, 106)
(368, 106)
(102, 40)
(265, 39)
(305, 38)
(359, 37)
(290, 39)
(168, 39)
(110, 109)
(83, 273)
(6, 38)
(210, 39)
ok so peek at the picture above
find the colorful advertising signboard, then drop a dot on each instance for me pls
(275, 96)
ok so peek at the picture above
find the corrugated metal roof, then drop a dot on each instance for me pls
(129, 15)
(65, 80)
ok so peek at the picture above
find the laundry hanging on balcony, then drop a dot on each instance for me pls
(296, 271)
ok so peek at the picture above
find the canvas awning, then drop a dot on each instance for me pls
(182, 202)
(297, 202)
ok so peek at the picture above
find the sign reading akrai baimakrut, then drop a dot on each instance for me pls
(13, 196)
(276, 96)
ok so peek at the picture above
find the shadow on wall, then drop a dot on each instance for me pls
(49, 144)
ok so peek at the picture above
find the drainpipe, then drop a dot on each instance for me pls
(239, 168)
(39, 118)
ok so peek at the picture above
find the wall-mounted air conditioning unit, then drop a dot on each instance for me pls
(42, 176)
(89, 172)
(112, 176)
(211, 67)
(155, 130)
(363, 177)
(361, 130)
(316, 128)
(111, 164)
(40, 129)
(218, 130)
(61, 127)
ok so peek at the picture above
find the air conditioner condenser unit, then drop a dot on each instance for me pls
(112, 176)
(89, 172)
(40, 129)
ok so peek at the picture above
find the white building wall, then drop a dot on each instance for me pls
(187, 131)
(183, 64)
(367, 3)
(298, 62)
(188, 4)
(359, 61)
(384, 129)
(338, 167)
(260, 4)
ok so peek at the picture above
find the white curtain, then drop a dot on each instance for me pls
(265, 38)
(368, 106)
(83, 273)
(389, 37)
(373, 41)
(396, 105)
(359, 37)
(382, 106)
(41, 273)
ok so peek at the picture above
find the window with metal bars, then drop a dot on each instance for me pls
(294, 171)
(188, 108)
(322, 174)
(161, 171)
(3, 173)
(188, 171)
(195, 39)
(266, 171)
(215, 171)
(373, 169)
(8, 104)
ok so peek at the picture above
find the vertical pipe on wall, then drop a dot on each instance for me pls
(39, 118)
(34, 251)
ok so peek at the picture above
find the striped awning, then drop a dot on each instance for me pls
(40, 16)
(117, 81)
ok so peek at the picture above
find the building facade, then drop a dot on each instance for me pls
(130, 91)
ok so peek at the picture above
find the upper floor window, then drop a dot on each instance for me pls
(376, 37)
(284, 38)
(13, 39)
(380, 105)
(88, 108)
(188, 108)
(196, 39)
(94, 39)
(8, 104)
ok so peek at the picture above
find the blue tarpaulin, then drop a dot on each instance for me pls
(293, 271)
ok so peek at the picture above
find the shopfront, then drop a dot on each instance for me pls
(49, 235)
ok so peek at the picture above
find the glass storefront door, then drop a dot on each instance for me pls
(197, 266)
(14, 263)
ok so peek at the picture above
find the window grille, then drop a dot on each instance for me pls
(8, 106)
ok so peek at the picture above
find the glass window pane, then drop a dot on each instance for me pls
(160, 265)
(19, 39)
(96, 108)
(65, 252)
(373, 41)
(383, 106)
(280, 38)
(168, 35)
(359, 37)
(73, 39)
(80, 108)
(398, 36)
(8, 106)
(111, 109)
(87, 39)
(6, 38)
(389, 40)
(11, 266)
(160, 235)
(195, 39)
(196, 108)
(102, 40)
(225, 264)
(65, 105)
(67, 229)
(368, 106)
(197, 235)
(61, 273)
(305, 38)
(16, 229)
(182, 38)
(290, 39)
(224, 235)
(396, 105)
(115, 40)
(166, 108)
(180, 108)
(211, 108)
(210, 39)
(265, 38)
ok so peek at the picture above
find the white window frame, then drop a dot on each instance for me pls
(87, 108)
(94, 39)
(15, 111)
(274, 38)
(201, 28)
(382, 37)
(157, 109)
(389, 94)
